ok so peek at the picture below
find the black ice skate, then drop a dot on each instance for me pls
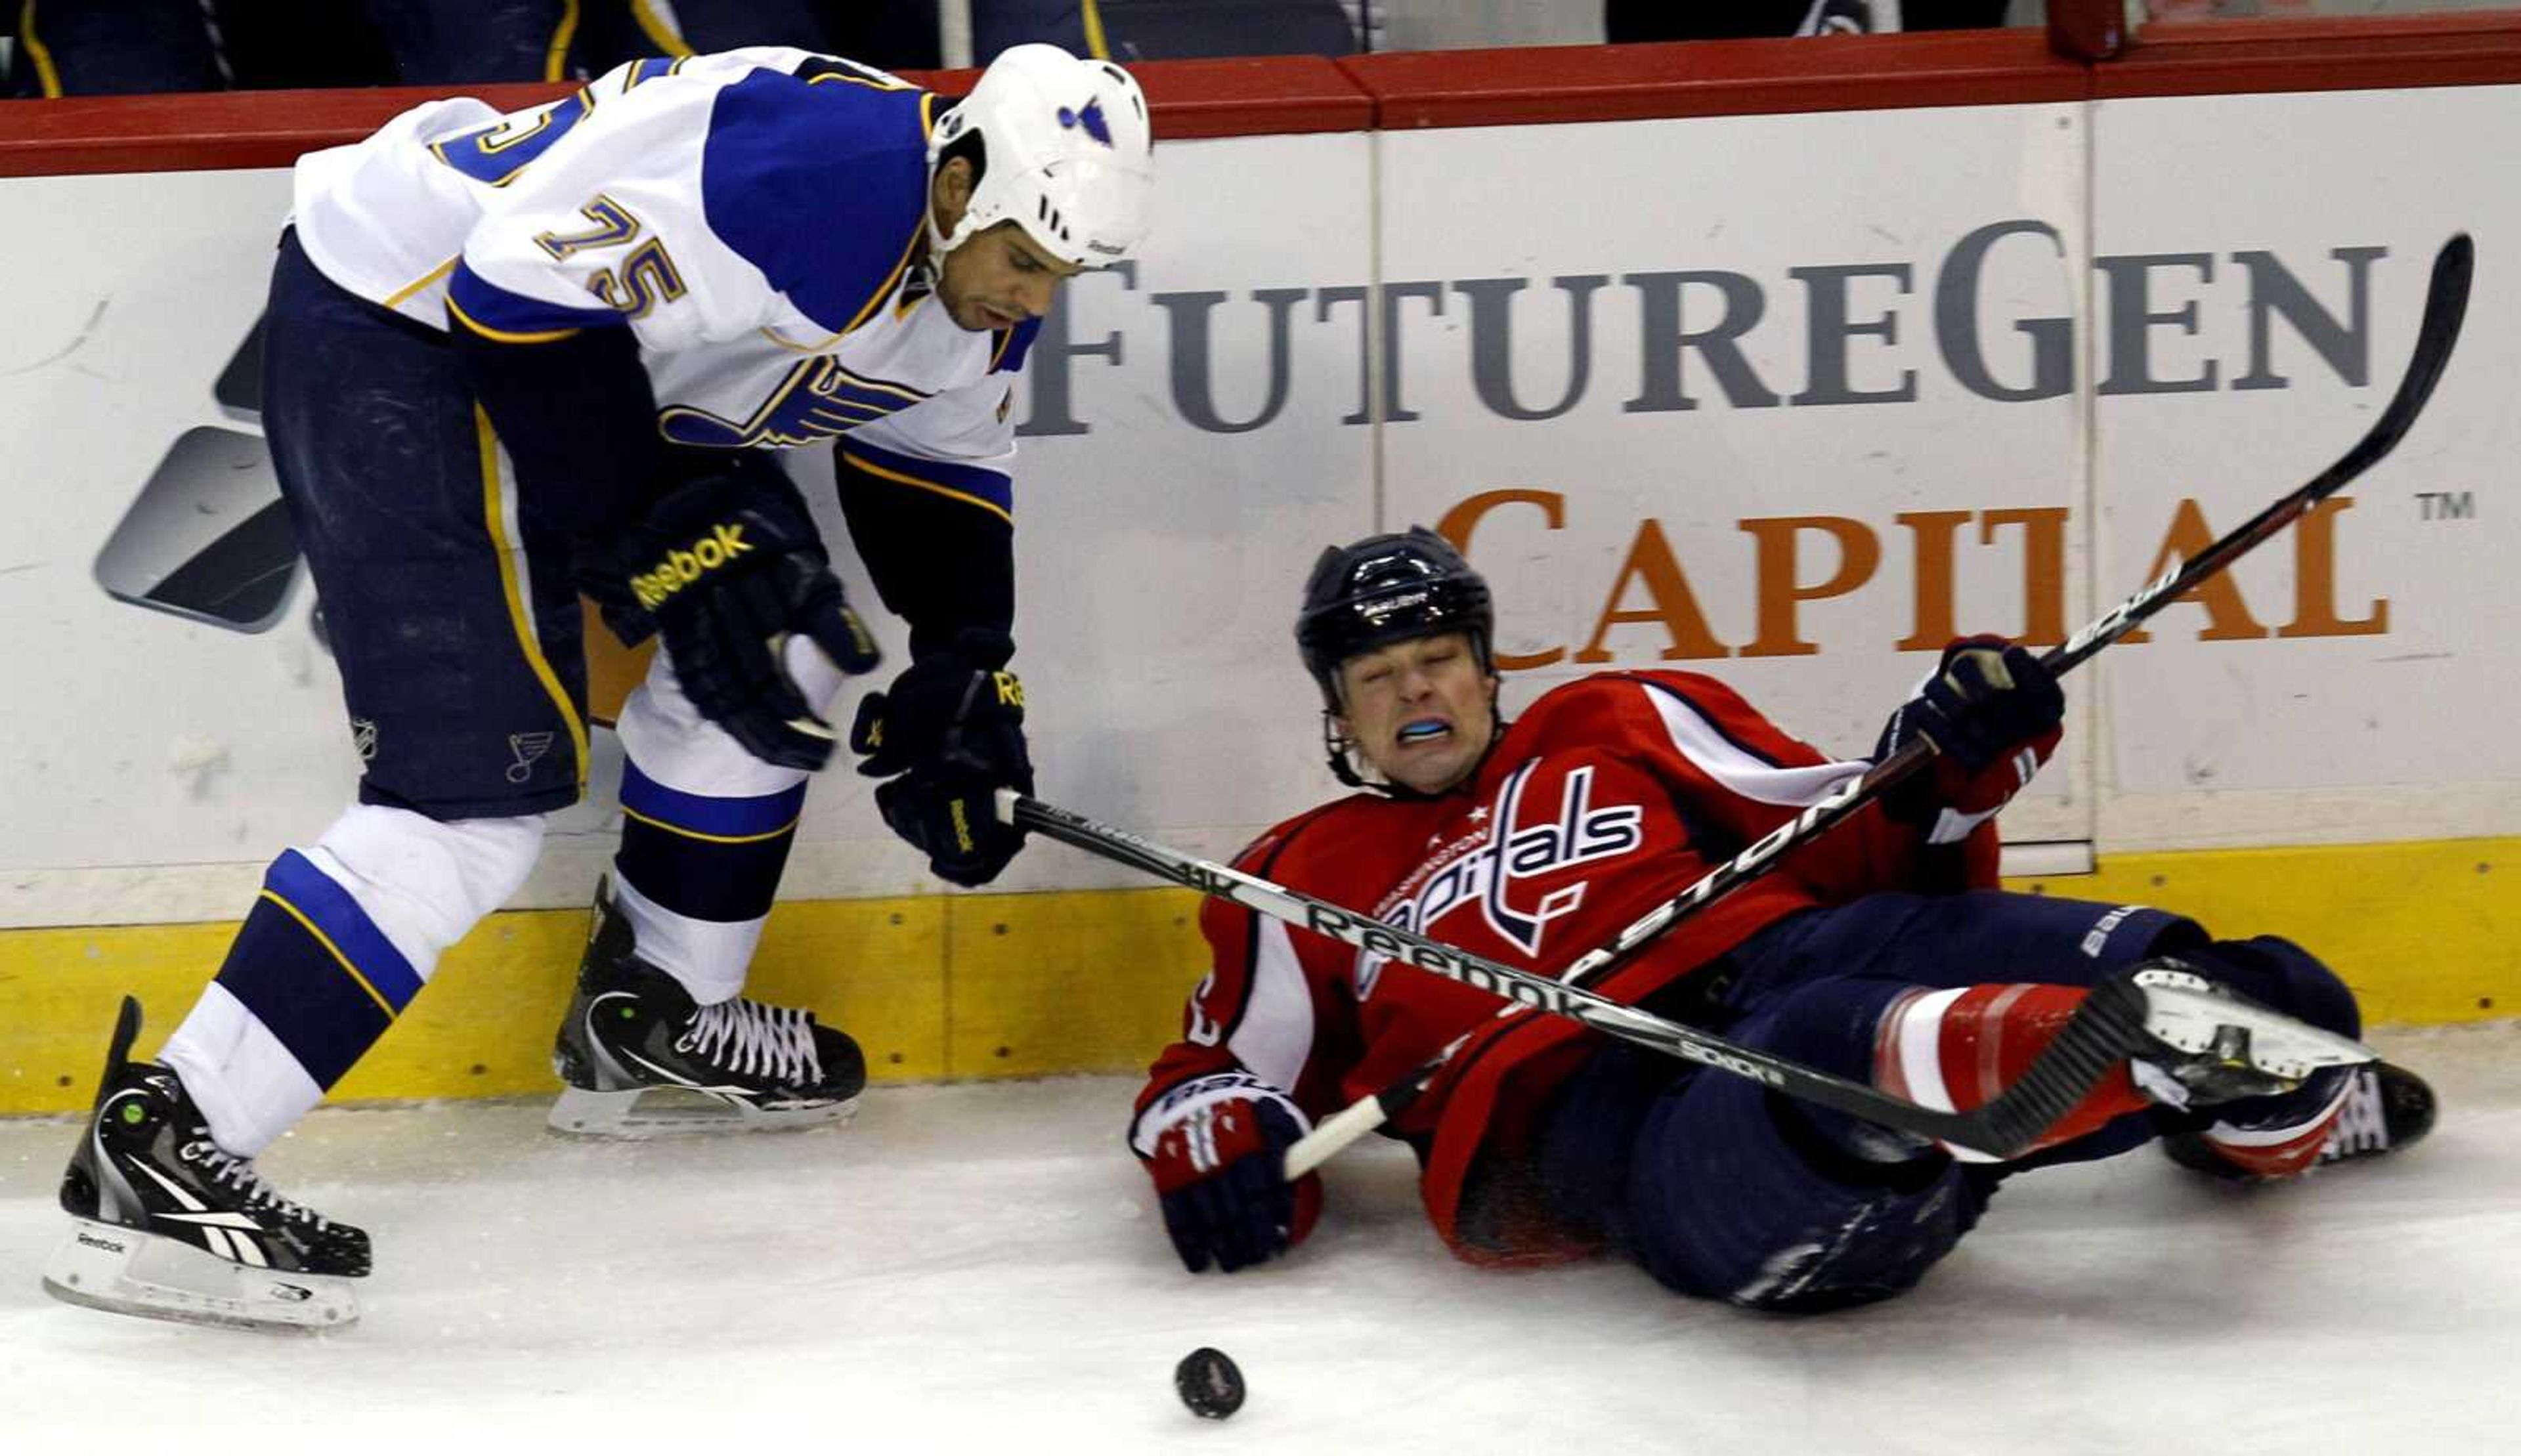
(2388, 1110)
(166, 1225)
(632, 1031)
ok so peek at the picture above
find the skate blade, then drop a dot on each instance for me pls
(124, 1271)
(672, 1112)
(2183, 1013)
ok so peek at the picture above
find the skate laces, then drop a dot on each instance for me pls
(747, 1036)
(2362, 1124)
(241, 1174)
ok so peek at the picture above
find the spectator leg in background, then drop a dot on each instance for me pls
(113, 48)
(299, 44)
(1000, 24)
(453, 43)
(1736, 19)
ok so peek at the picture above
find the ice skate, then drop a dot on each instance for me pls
(2387, 1108)
(2211, 1046)
(166, 1225)
(637, 1056)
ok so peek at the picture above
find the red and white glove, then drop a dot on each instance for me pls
(1220, 1165)
(1995, 713)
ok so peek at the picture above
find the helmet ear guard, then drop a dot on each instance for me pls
(1067, 152)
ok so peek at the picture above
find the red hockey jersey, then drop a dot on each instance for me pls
(1608, 796)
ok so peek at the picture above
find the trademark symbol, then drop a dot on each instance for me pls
(2445, 505)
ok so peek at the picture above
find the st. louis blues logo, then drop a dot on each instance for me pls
(1090, 117)
(1516, 852)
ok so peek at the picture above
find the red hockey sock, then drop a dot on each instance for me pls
(1954, 1050)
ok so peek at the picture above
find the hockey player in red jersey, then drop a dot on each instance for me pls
(1882, 952)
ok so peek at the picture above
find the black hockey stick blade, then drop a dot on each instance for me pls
(2436, 332)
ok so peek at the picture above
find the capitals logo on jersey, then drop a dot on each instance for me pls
(1494, 871)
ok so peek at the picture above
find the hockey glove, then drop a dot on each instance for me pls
(729, 569)
(946, 813)
(1219, 1173)
(959, 707)
(1995, 714)
(948, 734)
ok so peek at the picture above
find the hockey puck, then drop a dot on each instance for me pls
(1209, 1383)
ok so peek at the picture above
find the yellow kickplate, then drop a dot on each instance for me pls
(1043, 983)
(941, 986)
(2426, 934)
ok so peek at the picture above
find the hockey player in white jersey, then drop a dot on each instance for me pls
(510, 358)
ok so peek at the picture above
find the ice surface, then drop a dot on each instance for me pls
(980, 1269)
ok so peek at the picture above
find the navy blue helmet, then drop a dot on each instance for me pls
(1385, 589)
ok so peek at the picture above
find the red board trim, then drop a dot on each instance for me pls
(1281, 95)
(1714, 79)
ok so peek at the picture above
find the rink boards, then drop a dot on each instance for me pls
(1706, 379)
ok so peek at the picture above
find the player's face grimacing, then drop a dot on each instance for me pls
(1419, 710)
(999, 278)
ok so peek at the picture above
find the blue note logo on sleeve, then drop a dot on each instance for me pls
(816, 401)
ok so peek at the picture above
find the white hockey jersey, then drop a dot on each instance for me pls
(754, 219)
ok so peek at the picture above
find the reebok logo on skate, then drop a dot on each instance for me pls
(93, 1241)
(680, 567)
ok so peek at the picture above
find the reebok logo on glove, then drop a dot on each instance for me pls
(680, 569)
(1010, 690)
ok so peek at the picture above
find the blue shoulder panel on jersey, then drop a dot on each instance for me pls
(1012, 345)
(493, 312)
(975, 484)
(822, 188)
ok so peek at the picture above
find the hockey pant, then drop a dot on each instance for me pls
(1722, 1188)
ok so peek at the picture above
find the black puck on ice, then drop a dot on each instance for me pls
(1209, 1383)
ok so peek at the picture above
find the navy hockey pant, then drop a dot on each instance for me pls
(450, 610)
(1722, 1188)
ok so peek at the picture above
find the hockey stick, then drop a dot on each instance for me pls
(2437, 331)
(2111, 1022)
(2445, 304)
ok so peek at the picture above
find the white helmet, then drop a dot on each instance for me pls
(1067, 155)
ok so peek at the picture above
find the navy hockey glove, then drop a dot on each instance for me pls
(959, 707)
(948, 734)
(948, 814)
(1220, 1175)
(729, 569)
(1993, 712)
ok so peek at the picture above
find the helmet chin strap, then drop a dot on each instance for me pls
(1338, 746)
(941, 244)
